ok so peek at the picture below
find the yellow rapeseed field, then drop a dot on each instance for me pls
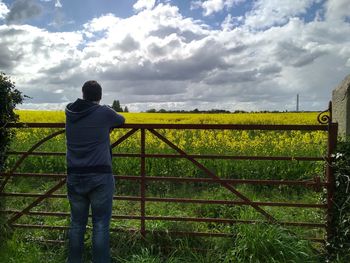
(223, 142)
(233, 118)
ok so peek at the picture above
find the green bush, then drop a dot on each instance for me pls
(339, 246)
(9, 98)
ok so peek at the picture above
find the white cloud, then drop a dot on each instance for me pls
(213, 6)
(230, 22)
(58, 91)
(38, 58)
(144, 4)
(337, 10)
(22, 10)
(3, 10)
(267, 13)
(58, 4)
(43, 106)
(101, 23)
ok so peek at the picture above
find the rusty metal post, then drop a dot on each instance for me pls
(143, 183)
(332, 142)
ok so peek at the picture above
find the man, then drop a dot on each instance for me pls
(89, 167)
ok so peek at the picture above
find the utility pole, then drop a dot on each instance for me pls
(297, 102)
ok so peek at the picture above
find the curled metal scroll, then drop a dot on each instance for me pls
(325, 117)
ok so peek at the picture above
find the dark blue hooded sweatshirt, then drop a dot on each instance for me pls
(87, 133)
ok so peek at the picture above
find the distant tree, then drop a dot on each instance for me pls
(116, 106)
(126, 109)
(151, 111)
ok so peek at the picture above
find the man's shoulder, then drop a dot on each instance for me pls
(106, 107)
(106, 110)
(113, 118)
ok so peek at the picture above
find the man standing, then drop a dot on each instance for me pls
(89, 167)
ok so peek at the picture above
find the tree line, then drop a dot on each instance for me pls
(187, 111)
(116, 106)
(212, 111)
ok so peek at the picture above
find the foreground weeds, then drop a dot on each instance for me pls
(251, 243)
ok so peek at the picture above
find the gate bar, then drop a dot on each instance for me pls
(170, 218)
(197, 156)
(143, 183)
(181, 200)
(268, 127)
(311, 182)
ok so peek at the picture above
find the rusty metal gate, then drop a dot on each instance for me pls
(321, 182)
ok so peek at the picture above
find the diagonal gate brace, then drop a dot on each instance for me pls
(26, 154)
(213, 176)
(37, 201)
(123, 138)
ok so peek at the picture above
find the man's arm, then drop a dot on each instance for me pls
(114, 119)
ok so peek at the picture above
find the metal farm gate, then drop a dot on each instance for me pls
(325, 181)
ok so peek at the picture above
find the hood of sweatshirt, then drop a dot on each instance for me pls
(79, 109)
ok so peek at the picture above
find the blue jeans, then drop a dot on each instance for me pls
(84, 190)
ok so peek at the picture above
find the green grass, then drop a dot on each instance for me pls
(257, 242)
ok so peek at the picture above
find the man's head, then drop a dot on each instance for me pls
(92, 91)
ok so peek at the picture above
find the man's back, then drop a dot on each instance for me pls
(87, 132)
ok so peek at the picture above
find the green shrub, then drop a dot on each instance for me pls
(339, 246)
(9, 98)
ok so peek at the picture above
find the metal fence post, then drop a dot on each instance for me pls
(143, 183)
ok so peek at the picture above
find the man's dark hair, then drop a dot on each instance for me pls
(92, 91)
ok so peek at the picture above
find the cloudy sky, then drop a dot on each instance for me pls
(177, 54)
